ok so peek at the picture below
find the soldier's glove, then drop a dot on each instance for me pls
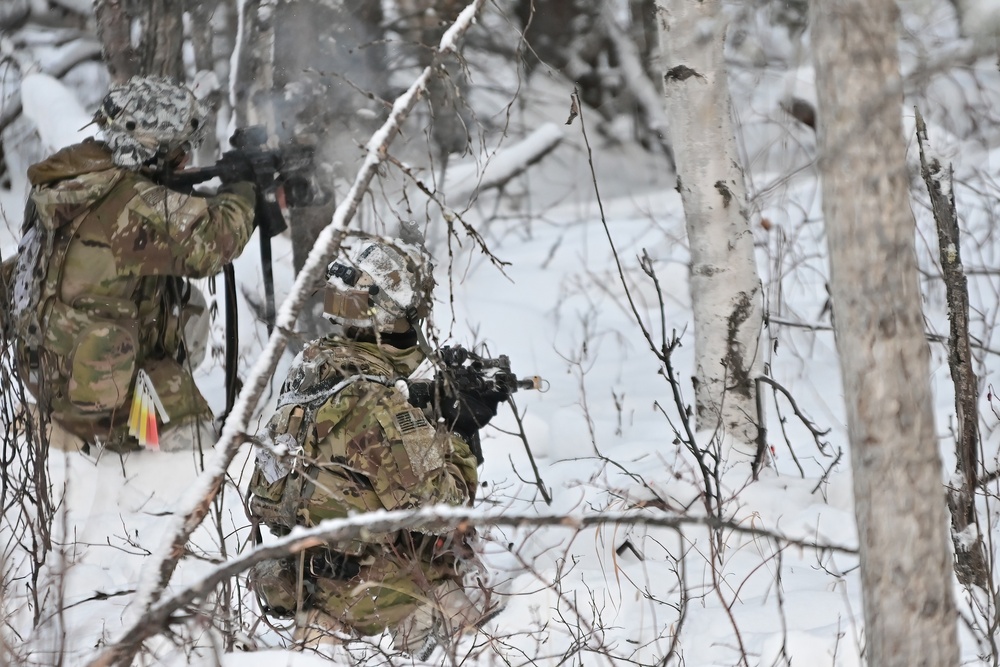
(465, 413)
(470, 411)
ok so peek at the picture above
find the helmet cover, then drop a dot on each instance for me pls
(383, 285)
(148, 116)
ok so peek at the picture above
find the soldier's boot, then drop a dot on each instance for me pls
(450, 612)
(316, 630)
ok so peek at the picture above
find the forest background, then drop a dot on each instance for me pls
(627, 517)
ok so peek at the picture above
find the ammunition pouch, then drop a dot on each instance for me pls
(325, 563)
(97, 340)
(276, 504)
(275, 583)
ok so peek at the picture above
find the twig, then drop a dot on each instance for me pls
(816, 433)
(932, 337)
(826, 473)
(438, 519)
(663, 352)
(531, 458)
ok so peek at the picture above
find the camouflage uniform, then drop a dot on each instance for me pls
(98, 290)
(344, 440)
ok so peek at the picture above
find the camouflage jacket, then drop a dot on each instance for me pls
(98, 290)
(345, 440)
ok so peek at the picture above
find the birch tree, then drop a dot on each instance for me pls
(899, 500)
(252, 79)
(726, 289)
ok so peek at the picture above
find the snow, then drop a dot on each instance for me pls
(41, 96)
(778, 580)
(503, 165)
(981, 20)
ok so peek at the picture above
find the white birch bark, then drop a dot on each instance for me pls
(726, 292)
(906, 568)
(252, 75)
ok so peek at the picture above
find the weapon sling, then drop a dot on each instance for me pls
(232, 339)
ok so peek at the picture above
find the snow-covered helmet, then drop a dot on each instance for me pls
(147, 116)
(383, 285)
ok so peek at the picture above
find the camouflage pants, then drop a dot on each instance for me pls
(412, 599)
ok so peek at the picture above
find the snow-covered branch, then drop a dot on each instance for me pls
(437, 519)
(193, 508)
(81, 7)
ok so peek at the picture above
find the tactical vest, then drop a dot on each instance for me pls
(297, 479)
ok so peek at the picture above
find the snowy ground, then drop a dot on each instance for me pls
(614, 595)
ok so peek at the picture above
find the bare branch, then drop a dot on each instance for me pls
(502, 167)
(970, 556)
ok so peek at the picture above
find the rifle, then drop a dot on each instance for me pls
(289, 167)
(465, 373)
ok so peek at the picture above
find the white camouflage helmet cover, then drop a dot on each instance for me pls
(150, 115)
(384, 285)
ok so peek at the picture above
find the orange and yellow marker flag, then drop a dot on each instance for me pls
(146, 405)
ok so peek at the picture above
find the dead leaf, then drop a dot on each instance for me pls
(574, 109)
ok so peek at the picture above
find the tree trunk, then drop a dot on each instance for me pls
(113, 29)
(971, 564)
(202, 33)
(910, 617)
(252, 80)
(726, 292)
(161, 37)
(161, 41)
(325, 55)
(423, 24)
